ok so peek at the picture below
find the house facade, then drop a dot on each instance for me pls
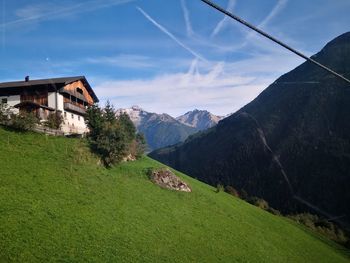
(68, 96)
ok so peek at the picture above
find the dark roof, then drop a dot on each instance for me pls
(53, 82)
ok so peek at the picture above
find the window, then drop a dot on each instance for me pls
(79, 90)
(72, 116)
(4, 101)
(65, 115)
(78, 118)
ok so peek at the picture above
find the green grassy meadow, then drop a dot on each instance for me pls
(57, 204)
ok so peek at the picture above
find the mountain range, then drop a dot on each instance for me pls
(290, 146)
(162, 130)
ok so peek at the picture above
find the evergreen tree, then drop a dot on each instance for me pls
(140, 144)
(109, 113)
(94, 120)
(128, 126)
(111, 144)
(110, 137)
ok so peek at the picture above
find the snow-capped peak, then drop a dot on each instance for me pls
(200, 119)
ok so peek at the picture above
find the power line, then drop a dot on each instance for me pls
(240, 20)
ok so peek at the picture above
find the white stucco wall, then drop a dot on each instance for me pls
(51, 99)
(73, 123)
(60, 102)
(12, 101)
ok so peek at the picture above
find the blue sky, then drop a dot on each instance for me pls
(165, 56)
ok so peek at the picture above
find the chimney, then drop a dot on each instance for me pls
(26, 78)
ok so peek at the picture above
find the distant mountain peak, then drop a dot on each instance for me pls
(136, 108)
(199, 119)
(159, 129)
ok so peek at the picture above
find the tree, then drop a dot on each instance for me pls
(141, 145)
(94, 120)
(109, 113)
(111, 137)
(128, 126)
(111, 144)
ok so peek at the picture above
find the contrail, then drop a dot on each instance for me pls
(77, 8)
(274, 12)
(165, 31)
(187, 18)
(231, 5)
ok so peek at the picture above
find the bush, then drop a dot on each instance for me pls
(322, 226)
(5, 114)
(231, 190)
(24, 121)
(219, 188)
(259, 202)
(273, 211)
(54, 120)
(243, 194)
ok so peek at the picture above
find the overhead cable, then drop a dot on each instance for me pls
(240, 20)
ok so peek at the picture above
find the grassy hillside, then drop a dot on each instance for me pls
(58, 204)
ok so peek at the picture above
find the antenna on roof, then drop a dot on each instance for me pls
(240, 20)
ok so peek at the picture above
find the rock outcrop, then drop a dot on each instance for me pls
(167, 179)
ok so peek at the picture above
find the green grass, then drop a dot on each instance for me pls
(58, 204)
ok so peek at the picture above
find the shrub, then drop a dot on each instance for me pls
(54, 120)
(273, 211)
(219, 188)
(24, 121)
(5, 114)
(231, 190)
(322, 226)
(259, 202)
(243, 194)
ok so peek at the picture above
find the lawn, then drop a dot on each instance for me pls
(58, 204)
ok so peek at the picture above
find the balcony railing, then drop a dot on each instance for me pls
(73, 93)
(68, 106)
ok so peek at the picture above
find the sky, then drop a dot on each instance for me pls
(166, 56)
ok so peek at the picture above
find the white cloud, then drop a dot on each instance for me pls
(219, 87)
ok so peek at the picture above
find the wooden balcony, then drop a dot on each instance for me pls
(69, 106)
